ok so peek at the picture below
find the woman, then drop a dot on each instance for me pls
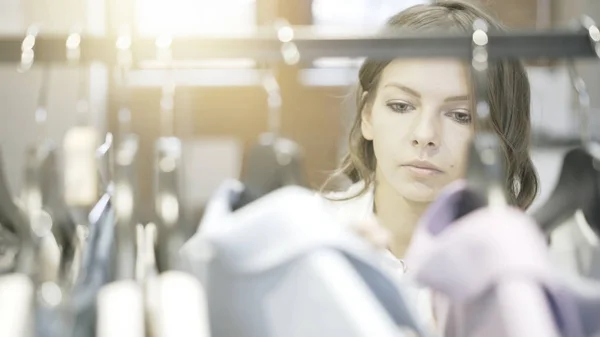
(414, 125)
(412, 132)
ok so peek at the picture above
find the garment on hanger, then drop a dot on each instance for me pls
(96, 270)
(491, 273)
(288, 247)
(575, 247)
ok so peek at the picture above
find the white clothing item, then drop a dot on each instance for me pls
(361, 208)
(575, 248)
(181, 308)
(16, 299)
(120, 310)
(284, 265)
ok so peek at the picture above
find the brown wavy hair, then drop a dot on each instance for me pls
(508, 95)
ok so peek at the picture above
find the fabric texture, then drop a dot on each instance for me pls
(493, 271)
(444, 260)
(289, 247)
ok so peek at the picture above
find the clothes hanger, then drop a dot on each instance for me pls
(125, 174)
(124, 61)
(125, 203)
(105, 157)
(82, 148)
(42, 193)
(82, 153)
(167, 156)
(11, 213)
(172, 278)
(485, 169)
(578, 185)
(274, 162)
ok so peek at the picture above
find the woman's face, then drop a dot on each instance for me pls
(421, 126)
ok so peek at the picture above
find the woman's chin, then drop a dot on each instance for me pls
(418, 192)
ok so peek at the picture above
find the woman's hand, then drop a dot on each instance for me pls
(374, 233)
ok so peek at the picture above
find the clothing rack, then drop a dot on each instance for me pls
(266, 45)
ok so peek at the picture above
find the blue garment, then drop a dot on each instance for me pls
(96, 272)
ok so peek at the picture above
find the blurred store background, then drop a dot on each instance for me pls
(221, 107)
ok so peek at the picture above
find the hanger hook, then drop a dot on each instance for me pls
(27, 49)
(486, 143)
(479, 64)
(285, 35)
(27, 60)
(593, 32)
(124, 61)
(73, 46)
(167, 101)
(291, 56)
(274, 101)
(578, 83)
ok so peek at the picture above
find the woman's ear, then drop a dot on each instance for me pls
(366, 125)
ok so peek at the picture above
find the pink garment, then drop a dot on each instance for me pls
(490, 272)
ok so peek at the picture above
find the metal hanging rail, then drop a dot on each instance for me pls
(269, 45)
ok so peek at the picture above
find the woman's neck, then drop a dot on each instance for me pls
(397, 214)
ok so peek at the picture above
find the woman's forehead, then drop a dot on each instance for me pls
(443, 76)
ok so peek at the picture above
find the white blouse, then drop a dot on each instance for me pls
(361, 208)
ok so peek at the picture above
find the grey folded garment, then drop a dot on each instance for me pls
(9, 248)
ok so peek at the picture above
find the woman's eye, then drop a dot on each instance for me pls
(400, 107)
(461, 117)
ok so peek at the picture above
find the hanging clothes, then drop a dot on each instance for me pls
(96, 270)
(575, 247)
(287, 247)
(492, 272)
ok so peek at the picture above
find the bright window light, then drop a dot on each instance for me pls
(195, 17)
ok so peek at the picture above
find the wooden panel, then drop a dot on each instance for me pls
(313, 120)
